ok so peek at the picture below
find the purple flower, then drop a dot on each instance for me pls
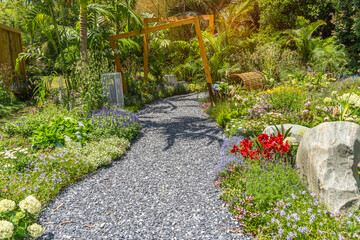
(303, 230)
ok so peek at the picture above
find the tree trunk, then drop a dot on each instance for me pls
(83, 30)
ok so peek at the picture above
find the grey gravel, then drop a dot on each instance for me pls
(161, 189)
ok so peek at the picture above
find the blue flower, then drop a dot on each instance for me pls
(215, 86)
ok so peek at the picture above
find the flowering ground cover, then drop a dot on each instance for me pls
(49, 149)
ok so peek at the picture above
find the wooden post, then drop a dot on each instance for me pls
(118, 67)
(212, 24)
(146, 51)
(203, 56)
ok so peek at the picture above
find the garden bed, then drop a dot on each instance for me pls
(261, 185)
(51, 148)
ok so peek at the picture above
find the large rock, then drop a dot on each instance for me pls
(328, 156)
(295, 129)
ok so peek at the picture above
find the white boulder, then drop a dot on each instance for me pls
(328, 156)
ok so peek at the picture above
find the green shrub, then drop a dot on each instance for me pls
(54, 133)
(38, 116)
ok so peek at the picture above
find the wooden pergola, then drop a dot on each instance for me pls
(173, 22)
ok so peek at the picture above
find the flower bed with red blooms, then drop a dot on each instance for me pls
(266, 195)
(271, 147)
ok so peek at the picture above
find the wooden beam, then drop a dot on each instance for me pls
(7, 28)
(153, 29)
(173, 19)
(146, 51)
(212, 24)
(118, 67)
(203, 56)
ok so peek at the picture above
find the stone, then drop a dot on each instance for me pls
(297, 131)
(328, 157)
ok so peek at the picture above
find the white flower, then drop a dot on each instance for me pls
(6, 229)
(35, 230)
(6, 205)
(290, 140)
(81, 124)
(31, 204)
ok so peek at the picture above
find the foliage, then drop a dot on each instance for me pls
(302, 37)
(220, 112)
(347, 29)
(54, 133)
(193, 7)
(275, 15)
(311, 82)
(89, 94)
(330, 57)
(25, 126)
(274, 61)
(14, 159)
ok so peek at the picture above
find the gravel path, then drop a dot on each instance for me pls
(161, 189)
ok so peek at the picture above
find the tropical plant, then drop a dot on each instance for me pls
(329, 56)
(236, 20)
(347, 29)
(302, 37)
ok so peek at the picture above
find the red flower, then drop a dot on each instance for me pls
(244, 151)
(263, 138)
(253, 154)
(32, 110)
(235, 149)
(285, 147)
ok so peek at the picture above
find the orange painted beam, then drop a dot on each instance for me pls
(173, 19)
(146, 51)
(153, 29)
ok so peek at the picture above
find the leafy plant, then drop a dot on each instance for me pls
(302, 37)
(54, 133)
